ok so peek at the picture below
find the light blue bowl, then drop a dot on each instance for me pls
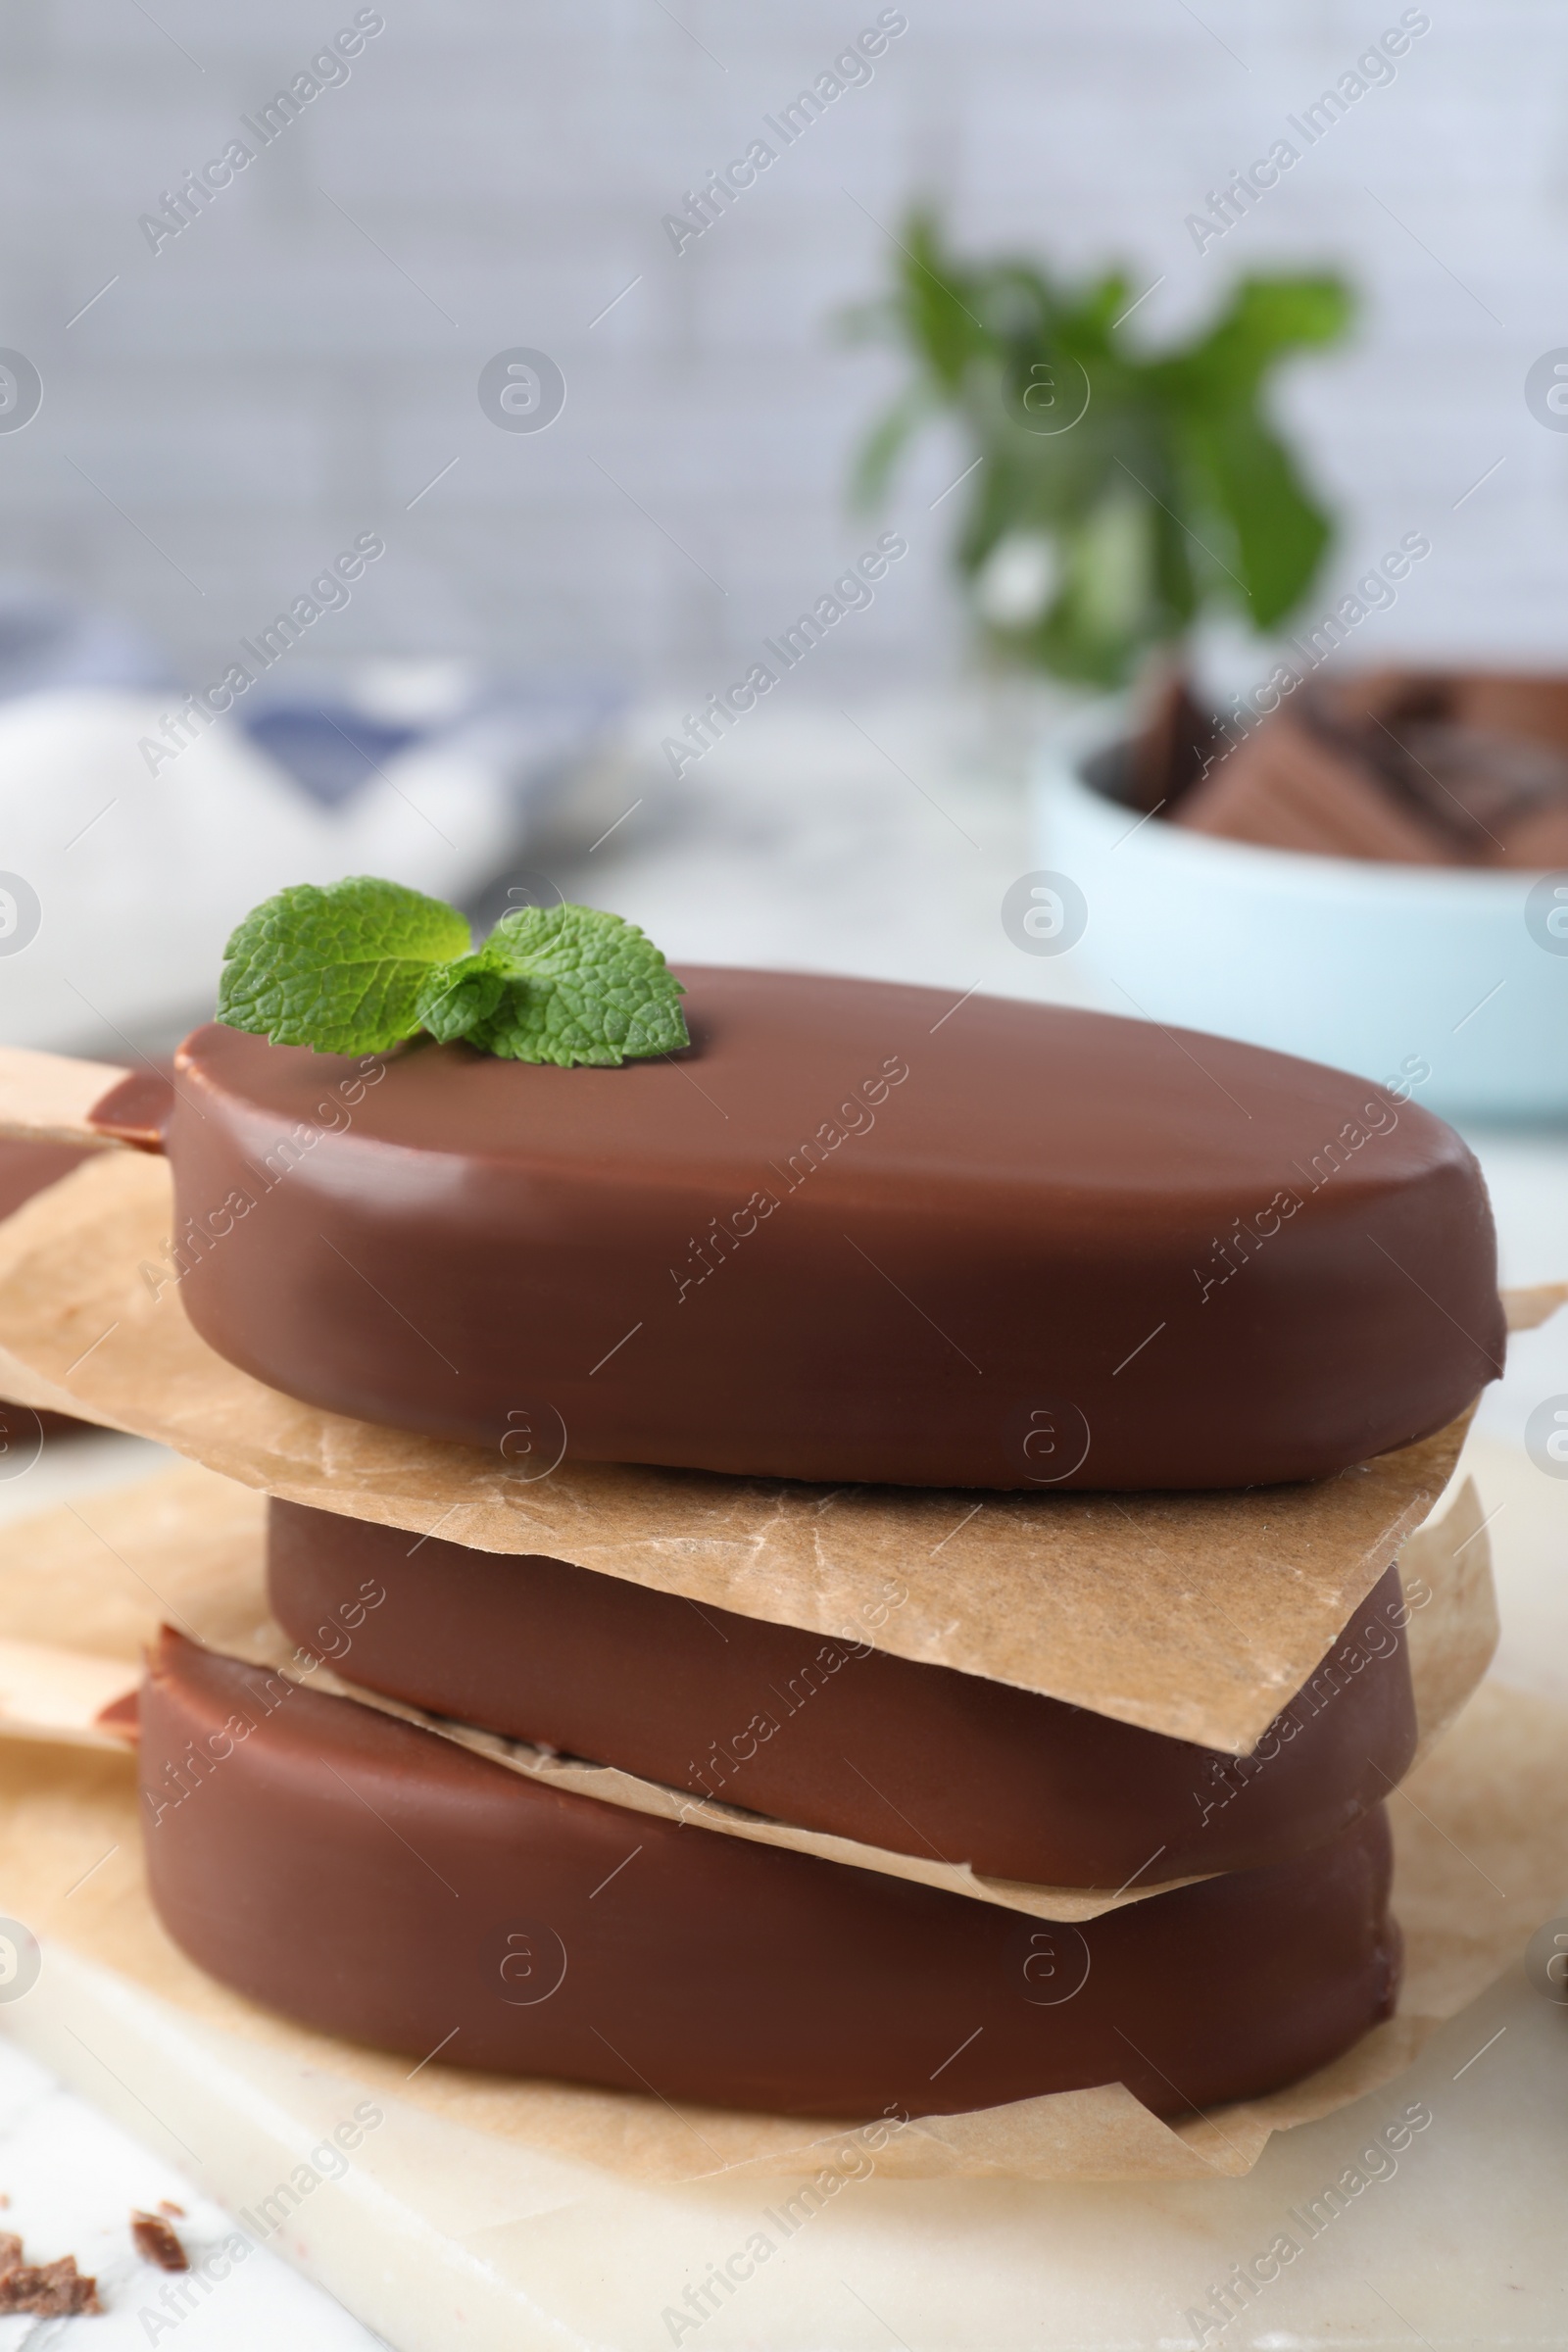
(1387, 970)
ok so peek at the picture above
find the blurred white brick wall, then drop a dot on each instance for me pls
(303, 359)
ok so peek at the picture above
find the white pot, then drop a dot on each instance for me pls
(1371, 967)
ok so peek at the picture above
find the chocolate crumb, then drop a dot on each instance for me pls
(50, 2290)
(155, 2241)
(168, 2205)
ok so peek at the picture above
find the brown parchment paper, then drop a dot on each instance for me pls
(1195, 1615)
(1481, 1835)
(199, 1540)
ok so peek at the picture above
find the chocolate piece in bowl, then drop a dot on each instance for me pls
(859, 1232)
(1293, 785)
(371, 1879)
(1407, 768)
(839, 1736)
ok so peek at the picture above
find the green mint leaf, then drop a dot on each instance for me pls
(579, 986)
(363, 966)
(458, 998)
(340, 969)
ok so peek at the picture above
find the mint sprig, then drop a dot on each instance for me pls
(340, 969)
(361, 966)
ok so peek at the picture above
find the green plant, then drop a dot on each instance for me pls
(1119, 495)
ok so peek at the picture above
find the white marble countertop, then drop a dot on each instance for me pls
(878, 842)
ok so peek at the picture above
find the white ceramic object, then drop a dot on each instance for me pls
(130, 883)
(1382, 969)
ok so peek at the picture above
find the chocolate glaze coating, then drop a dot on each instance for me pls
(836, 1734)
(376, 1882)
(995, 1277)
(26, 1169)
(137, 1109)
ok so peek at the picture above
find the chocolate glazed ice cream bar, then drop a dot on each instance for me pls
(839, 1736)
(377, 1881)
(853, 1232)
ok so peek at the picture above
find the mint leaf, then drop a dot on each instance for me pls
(363, 964)
(458, 998)
(578, 986)
(340, 969)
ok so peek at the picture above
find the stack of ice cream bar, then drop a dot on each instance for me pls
(861, 1238)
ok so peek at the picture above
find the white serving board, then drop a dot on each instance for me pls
(437, 2238)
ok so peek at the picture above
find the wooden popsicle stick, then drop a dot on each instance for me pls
(45, 1098)
(1528, 1309)
(65, 1695)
